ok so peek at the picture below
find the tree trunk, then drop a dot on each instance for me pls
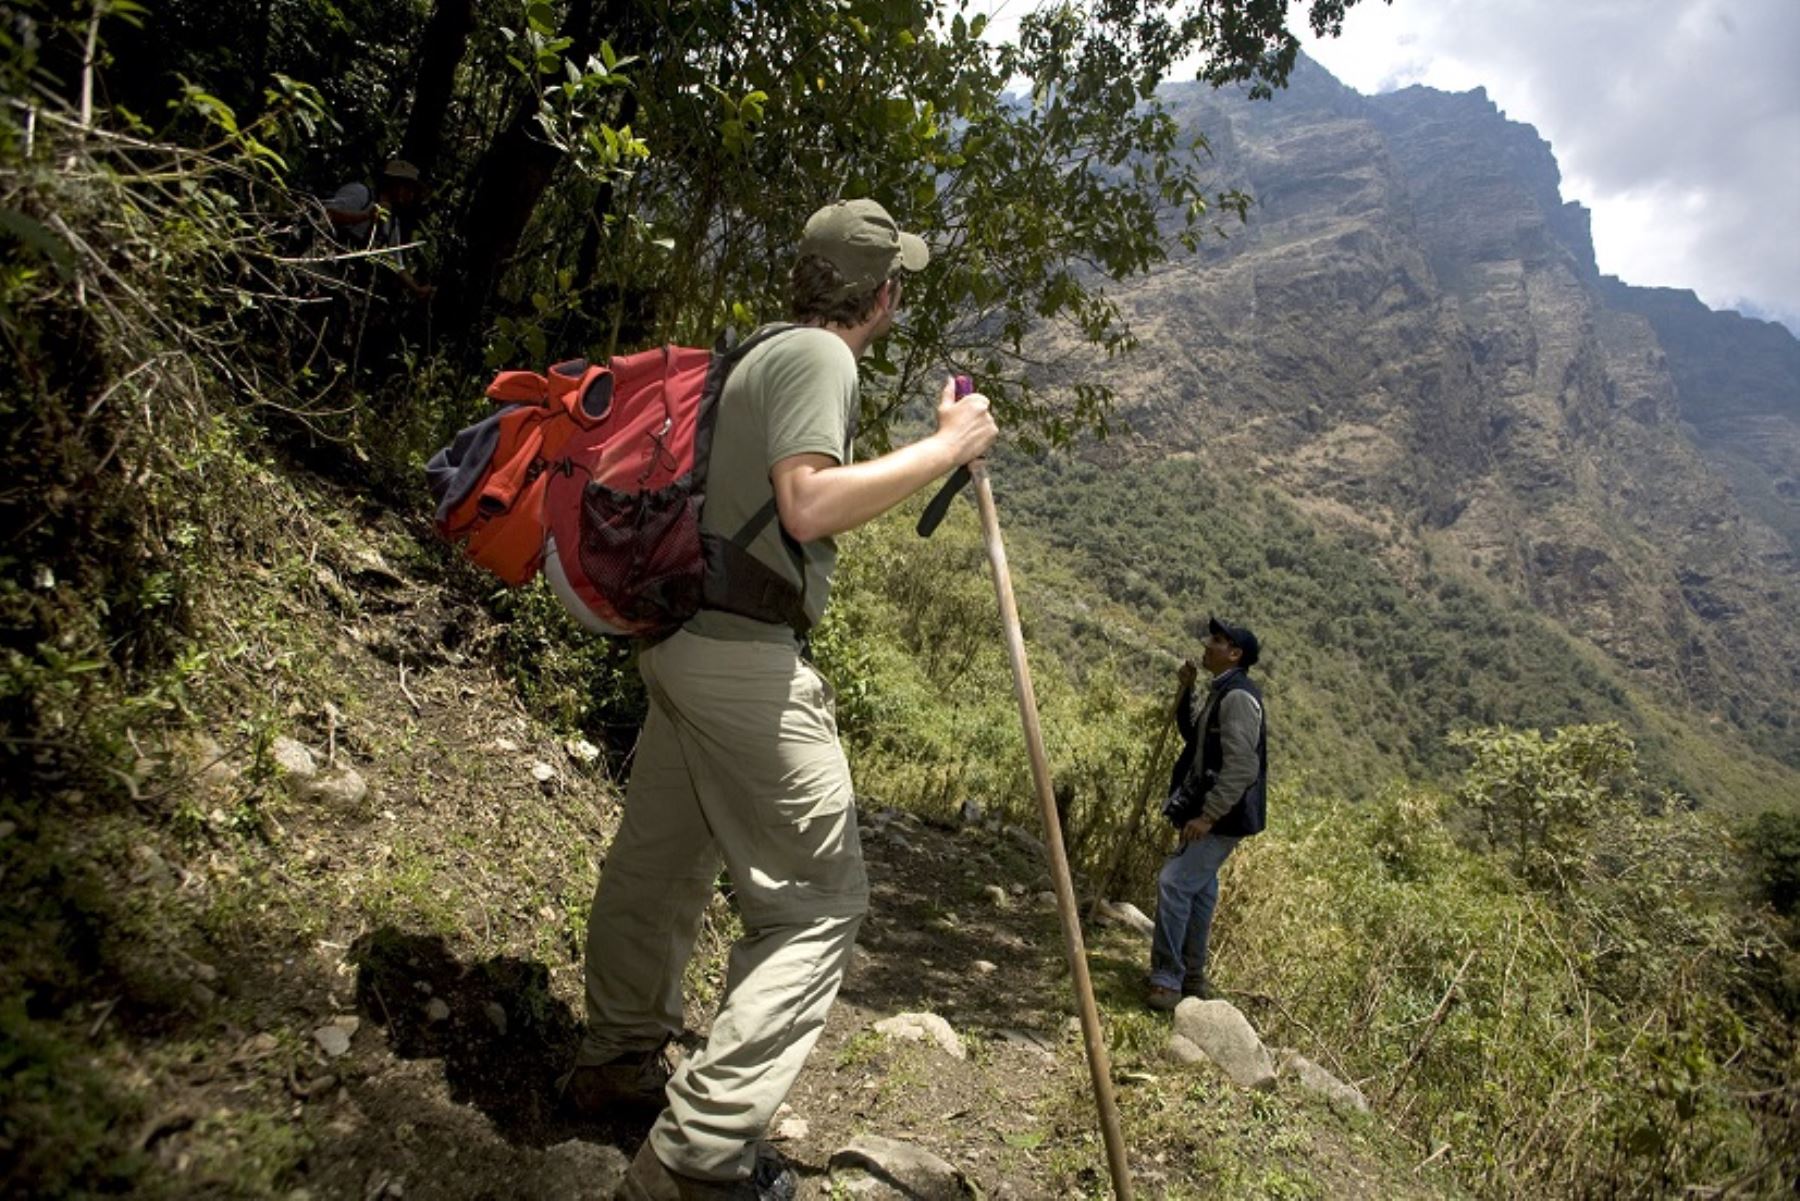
(511, 180)
(440, 51)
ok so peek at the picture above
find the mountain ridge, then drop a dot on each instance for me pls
(1410, 335)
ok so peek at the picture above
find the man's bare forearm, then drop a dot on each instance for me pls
(820, 499)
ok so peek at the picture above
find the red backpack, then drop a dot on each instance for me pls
(596, 476)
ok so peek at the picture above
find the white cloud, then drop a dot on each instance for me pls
(1676, 121)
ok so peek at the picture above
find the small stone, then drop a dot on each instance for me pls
(333, 1040)
(995, 894)
(574, 1169)
(582, 751)
(1045, 900)
(342, 789)
(436, 1010)
(792, 1130)
(882, 1168)
(982, 967)
(1183, 1050)
(349, 1023)
(293, 758)
(506, 745)
(1319, 1080)
(497, 1016)
(151, 867)
(1124, 913)
(1025, 841)
(923, 1027)
(1027, 1040)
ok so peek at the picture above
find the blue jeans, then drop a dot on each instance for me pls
(1187, 892)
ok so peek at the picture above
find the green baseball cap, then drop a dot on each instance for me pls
(863, 243)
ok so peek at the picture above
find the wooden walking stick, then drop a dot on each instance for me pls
(1099, 1065)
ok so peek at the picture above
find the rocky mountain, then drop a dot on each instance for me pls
(1410, 338)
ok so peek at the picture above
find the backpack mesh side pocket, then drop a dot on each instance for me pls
(641, 551)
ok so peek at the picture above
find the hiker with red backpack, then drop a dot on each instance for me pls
(739, 758)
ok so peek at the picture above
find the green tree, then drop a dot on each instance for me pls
(1039, 169)
(1540, 796)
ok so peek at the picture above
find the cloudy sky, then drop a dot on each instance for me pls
(1676, 121)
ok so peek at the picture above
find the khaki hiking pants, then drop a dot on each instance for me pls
(739, 760)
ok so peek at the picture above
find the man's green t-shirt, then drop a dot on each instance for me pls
(796, 394)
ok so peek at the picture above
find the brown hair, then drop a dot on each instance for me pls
(814, 294)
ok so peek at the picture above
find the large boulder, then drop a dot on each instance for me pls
(1226, 1038)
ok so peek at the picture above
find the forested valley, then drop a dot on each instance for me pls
(301, 812)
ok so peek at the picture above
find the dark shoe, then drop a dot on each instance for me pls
(631, 1083)
(1162, 999)
(649, 1180)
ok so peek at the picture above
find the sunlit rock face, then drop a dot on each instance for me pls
(1410, 337)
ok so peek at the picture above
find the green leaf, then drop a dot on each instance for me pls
(39, 237)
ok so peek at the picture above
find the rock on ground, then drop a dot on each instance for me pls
(579, 1169)
(885, 1169)
(293, 758)
(923, 1027)
(1124, 913)
(1317, 1079)
(342, 789)
(1228, 1040)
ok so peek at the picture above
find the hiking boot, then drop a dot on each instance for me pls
(1162, 999)
(631, 1083)
(649, 1180)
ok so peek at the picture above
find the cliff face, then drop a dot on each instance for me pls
(1410, 336)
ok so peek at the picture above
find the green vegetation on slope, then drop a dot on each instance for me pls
(1371, 660)
(178, 593)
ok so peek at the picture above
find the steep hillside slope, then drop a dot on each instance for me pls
(335, 951)
(1409, 339)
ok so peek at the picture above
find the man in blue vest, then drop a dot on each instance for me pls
(1216, 798)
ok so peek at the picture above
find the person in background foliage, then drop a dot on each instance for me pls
(739, 757)
(364, 218)
(1217, 796)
